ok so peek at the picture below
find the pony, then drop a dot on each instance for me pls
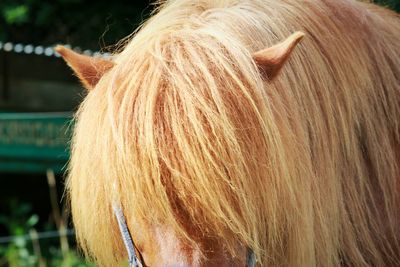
(223, 126)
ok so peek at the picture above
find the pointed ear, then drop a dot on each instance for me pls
(88, 69)
(271, 60)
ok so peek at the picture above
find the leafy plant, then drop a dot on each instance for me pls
(18, 223)
(15, 14)
(25, 249)
(78, 22)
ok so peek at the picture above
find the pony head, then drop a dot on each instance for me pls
(184, 150)
(177, 129)
(207, 132)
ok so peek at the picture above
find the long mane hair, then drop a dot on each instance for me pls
(186, 131)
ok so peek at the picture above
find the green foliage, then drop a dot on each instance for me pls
(393, 4)
(78, 22)
(21, 251)
(17, 223)
(71, 259)
(15, 14)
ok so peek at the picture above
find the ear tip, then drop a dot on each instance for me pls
(60, 49)
(298, 35)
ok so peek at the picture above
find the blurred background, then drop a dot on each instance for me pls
(38, 96)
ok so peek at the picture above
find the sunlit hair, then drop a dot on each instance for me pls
(185, 131)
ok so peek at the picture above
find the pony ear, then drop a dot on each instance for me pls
(271, 60)
(88, 69)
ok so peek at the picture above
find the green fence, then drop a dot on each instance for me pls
(34, 142)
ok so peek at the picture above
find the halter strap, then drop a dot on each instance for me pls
(251, 258)
(126, 237)
(130, 246)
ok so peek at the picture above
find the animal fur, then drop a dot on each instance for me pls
(186, 131)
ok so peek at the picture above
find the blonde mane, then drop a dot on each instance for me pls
(185, 131)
